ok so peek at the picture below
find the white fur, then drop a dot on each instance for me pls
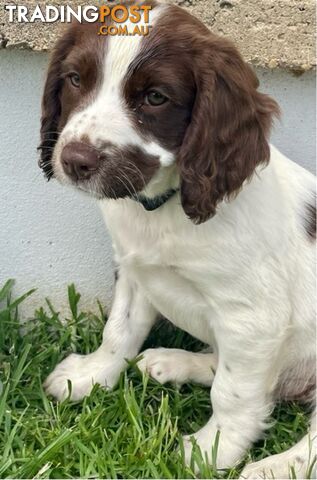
(242, 281)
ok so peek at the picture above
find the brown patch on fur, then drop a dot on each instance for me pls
(125, 171)
(79, 50)
(216, 122)
(85, 139)
(304, 396)
(298, 383)
(160, 65)
(227, 137)
(310, 220)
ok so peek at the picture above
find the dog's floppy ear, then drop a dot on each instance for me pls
(51, 103)
(228, 134)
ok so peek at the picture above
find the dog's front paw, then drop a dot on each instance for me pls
(217, 447)
(83, 371)
(204, 442)
(159, 364)
(167, 364)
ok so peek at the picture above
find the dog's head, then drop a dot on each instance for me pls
(120, 112)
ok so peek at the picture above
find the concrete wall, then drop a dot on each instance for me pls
(51, 236)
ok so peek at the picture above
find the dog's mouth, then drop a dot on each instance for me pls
(111, 172)
(101, 188)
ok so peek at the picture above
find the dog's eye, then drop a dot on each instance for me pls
(74, 79)
(155, 98)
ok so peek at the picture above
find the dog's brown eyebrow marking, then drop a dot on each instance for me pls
(310, 219)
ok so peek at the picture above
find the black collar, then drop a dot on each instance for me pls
(151, 204)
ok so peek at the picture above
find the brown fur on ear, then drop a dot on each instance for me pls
(51, 104)
(227, 136)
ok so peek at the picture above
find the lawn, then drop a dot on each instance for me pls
(131, 432)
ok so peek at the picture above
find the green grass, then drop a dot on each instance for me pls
(133, 431)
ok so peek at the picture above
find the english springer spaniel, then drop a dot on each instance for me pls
(212, 227)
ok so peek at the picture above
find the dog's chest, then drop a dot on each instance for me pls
(168, 268)
(176, 299)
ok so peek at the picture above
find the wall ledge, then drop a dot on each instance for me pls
(269, 33)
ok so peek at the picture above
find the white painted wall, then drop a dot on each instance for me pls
(51, 236)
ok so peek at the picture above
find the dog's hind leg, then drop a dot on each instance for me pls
(178, 366)
(297, 462)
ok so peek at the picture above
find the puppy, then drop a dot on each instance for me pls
(212, 227)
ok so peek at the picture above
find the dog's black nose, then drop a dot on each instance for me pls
(80, 161)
